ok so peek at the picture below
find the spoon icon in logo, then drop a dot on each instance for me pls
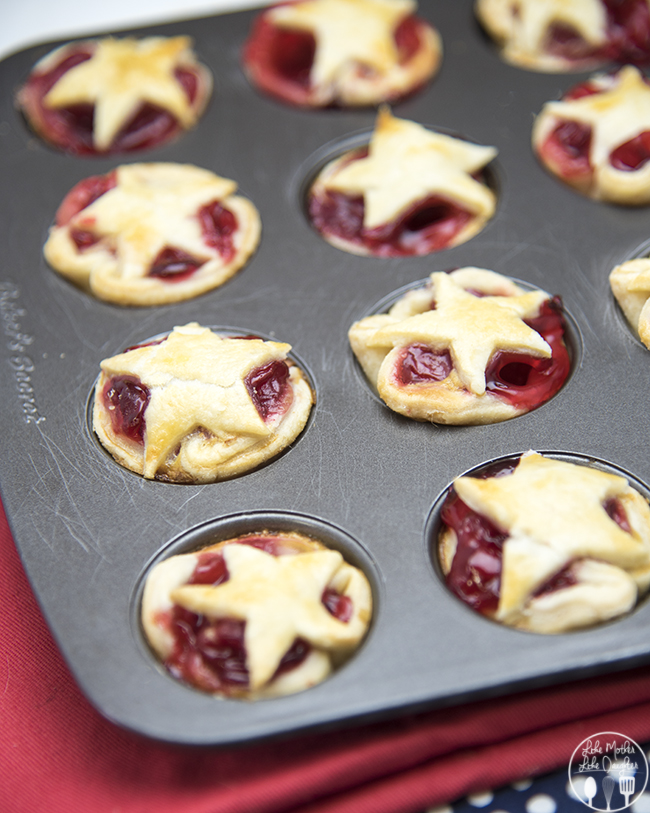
(590, 789)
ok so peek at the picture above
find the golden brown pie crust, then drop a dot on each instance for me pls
(553, 513)
(201, 422)
(279, 598)
(478, 327)
(152, 206)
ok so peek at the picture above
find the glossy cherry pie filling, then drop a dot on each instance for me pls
(209, 650)
(473, 547)
(279, 61)
(71, 128)
(198, 407)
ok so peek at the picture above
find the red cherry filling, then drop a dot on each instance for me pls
(270, 389)
(524, 381)
(475, 573)
(83, 239)
(633, 154)
(211, 653)
(628, 36)
(566, 149)
(218, 226)
(564, 41)
(628, 25)
(616, 512)
(279, 60)
(126, 399)
(174, 265)
(428, 225)
(71, 128)
(419, 363)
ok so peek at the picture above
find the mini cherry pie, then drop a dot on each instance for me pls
(260, 615)
(150, 234)
(196, 407)
(545, 545)
(107, 96)
(597, 138)
(470, 347)
(568, 35)
(411, 191)
(318, 53)
(630, 283)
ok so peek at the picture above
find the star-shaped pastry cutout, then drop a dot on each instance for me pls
(640, 282)
(535, 17)
(615, 115)
(121, 75)
(279, 598)
(472, 328)
(195, 379)
(554, 513)
(347, 31)
(407, 163)
(150, 205)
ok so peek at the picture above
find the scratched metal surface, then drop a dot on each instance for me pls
(86, 529)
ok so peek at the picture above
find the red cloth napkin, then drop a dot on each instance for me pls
(57, 754)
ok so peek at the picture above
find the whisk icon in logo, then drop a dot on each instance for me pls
(608, 771)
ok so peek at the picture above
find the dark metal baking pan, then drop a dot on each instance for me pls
(87, 529)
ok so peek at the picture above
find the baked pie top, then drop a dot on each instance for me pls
(150, 202)
(569, 526)
(115, 79)
(568, 35)
(346, 31)
(469, 347)
(523, 27)
(279, 597)
(472, 328)
(317, 53)
(119, 76)
(299, 610)
(196, 378)
(198, 407)
(406, 163)
(616, 114)
(593, 139)
(554, 512)
(141, 211)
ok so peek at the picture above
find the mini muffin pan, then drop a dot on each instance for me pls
(361, 477)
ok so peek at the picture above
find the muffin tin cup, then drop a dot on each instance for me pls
(254, 522)
(86, 529)
(225, 332)
(434, 523)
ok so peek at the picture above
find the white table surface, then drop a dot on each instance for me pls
(28, 22)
